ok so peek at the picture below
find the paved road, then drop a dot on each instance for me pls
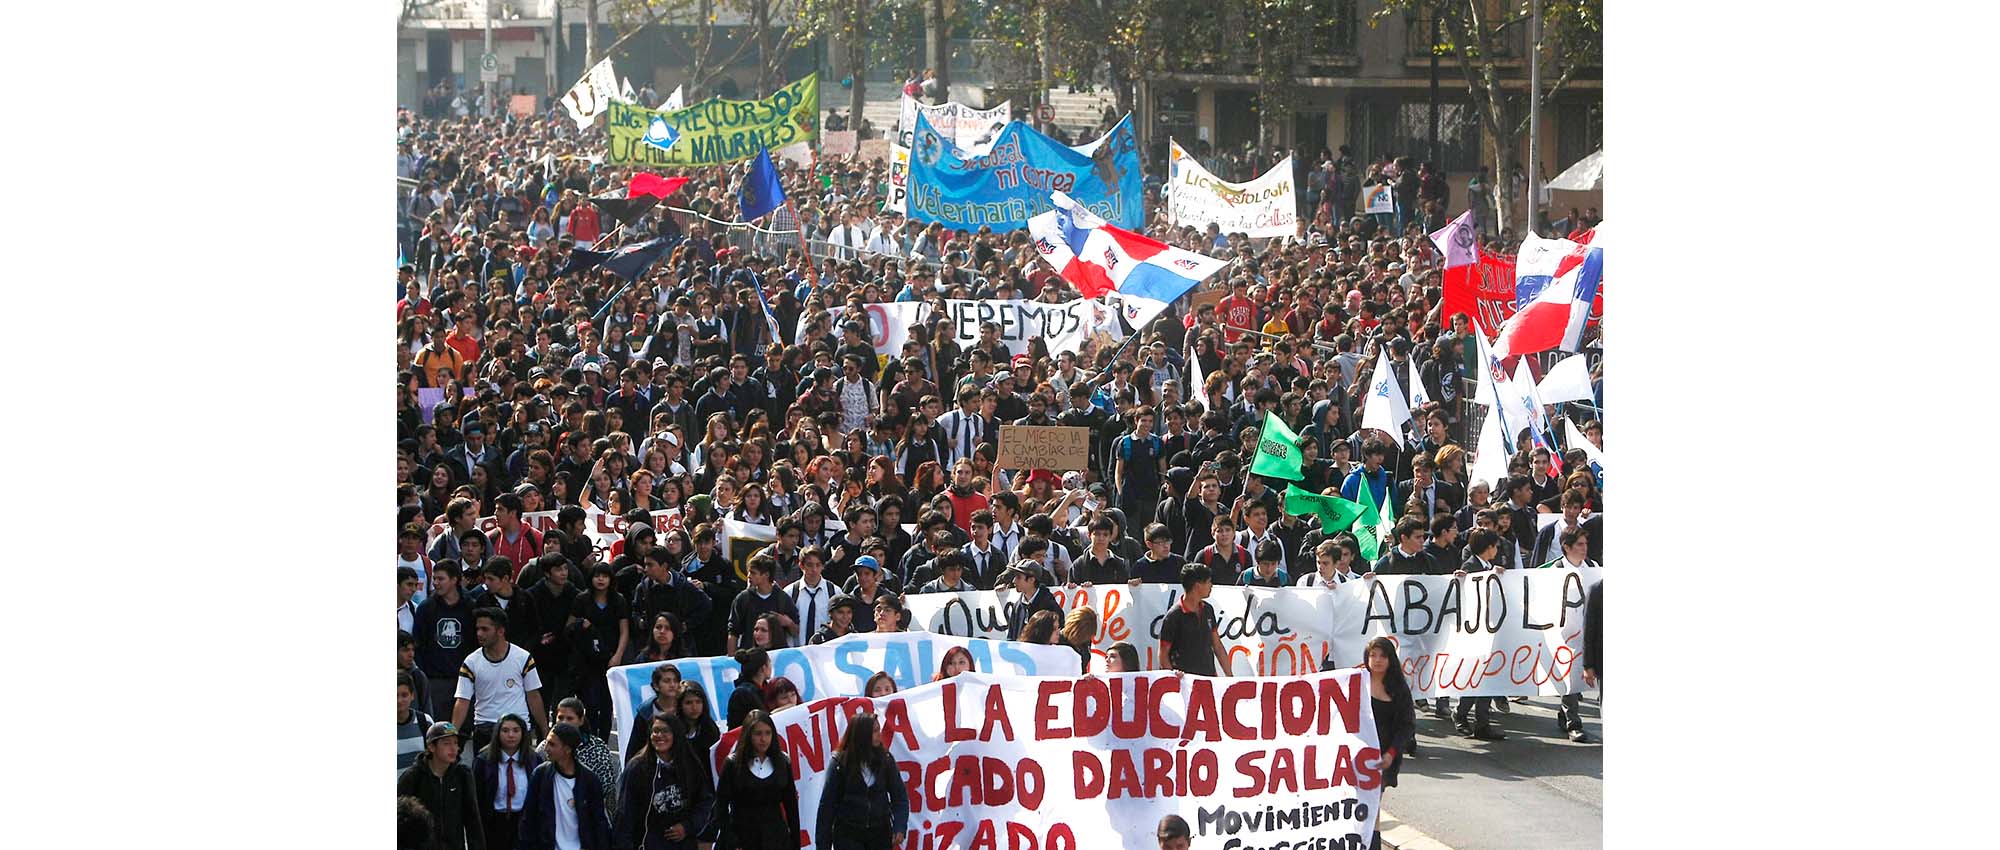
(1536, 790)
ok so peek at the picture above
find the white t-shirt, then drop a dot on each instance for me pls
(566, 825)
(498, 688)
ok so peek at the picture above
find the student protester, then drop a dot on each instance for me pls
(497, 680)
(1270, 569)
(863, 805)
(1473, 717)
(1173, 833)
(664, 797)
(1407, 556)
(1159, 565)
(447, 789)
(408, 586)
(1395, 712)
(600, 627)
(753, 670)
(406, 663)
(444, 636)
(663, 641)
(879, 685)
(696, 719)
(502, 771)
(812, 595)
(839, 621)
(1223, 558)
(890, 615)
(756, 800)
(566, 801)
(1188, 639)
(760, 598)
(1026, 580)
(956, 660)
(410, 723)
(1098, 564)
(590, 750)
(1122, 657)
(1079, 631)
(666, 684)
(1335, 559)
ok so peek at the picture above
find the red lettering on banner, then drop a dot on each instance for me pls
(982, 838)
(1370, 764)
(931, 797)
(1246, 764)
(1267, 705)
(1030, 784)
(1115, 628)
(1232, 696)
(1089, 707)
(1344, 696)
(1310, 771)
(1135, 726)
(996, 781)
(1201, 712)
(1201, 771)
(953, 733)
(965, 785)
(1020, 837)
(1124, 776)
(1283, 770)
(1045, 709)
(1343, 768)
(1156, 706)
(996, 713)
(1296, 703)
(1059, 838)
(805, 749)
(1087, 774)
(1159, 773)
(896, 721)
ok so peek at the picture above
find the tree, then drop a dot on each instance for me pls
(937, 43)
(1478, 33)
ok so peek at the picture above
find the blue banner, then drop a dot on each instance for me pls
(1011, 182)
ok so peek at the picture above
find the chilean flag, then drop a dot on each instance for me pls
(1103, 260)
(1458, 242)
(1555, 283)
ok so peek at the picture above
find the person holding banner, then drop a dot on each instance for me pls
(864, 805)
(1188, 638)
(753, 670)
(756, 802)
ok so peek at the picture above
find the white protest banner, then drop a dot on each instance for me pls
(593, 94)
(972, 130)
(1520, 634)
(838, 142)
(874, 149)
(899, 180)
(602, 528)
(1264, 207)
(1046, 763)
(1063, 327)
(840, 668)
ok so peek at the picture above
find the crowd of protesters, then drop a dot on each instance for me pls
(521, 390)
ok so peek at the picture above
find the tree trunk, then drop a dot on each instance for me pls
(760, 21)
(857, 61)
(590, 56)
(1502, 194)
(695, 89)
(937, 49)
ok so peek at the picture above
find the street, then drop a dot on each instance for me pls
(1536, 790)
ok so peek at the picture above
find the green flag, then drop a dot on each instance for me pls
(1368, 528)
(1278, 453)
(1334, 513)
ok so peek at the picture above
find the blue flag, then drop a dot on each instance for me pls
(632, 261)
(761, 193)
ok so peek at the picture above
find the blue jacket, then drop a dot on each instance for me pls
(538, 820)
(1378, 486)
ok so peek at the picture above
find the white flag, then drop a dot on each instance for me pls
(1526, 399)
(1482, 393)
(1195, 378)
(1386, 410)
(1489, 461)
(1568, 380)
(625, 92)
(1418, 397)
(1573, 438)
(592, 95)
(673, 101)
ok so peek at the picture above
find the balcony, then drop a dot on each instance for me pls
(1418, 44)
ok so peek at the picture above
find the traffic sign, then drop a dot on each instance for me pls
(1045, 112)
(489, 68)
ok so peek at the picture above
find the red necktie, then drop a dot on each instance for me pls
(509, 767)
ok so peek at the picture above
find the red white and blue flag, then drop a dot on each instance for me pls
(1099, 259)
(1555, 283)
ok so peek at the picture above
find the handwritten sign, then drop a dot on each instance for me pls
(522, 105)
(874, 149)
(1055, 447)
(837, 142)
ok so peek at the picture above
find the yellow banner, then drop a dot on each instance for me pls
(717, 131)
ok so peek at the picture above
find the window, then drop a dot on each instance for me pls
(1579, 132)
(1333, 30)
(1403, 127)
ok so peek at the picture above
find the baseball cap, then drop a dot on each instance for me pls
(867, 562)
(440, 730)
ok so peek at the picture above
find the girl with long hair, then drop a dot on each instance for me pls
(864, 805)
(917, 448)
(507, 750)
(1079, 631)
(779, 694)
(757, 804)
(879, 685)
(956, 660)
(664, 796)
(663, 640)
(1395, 711)
(697, 725)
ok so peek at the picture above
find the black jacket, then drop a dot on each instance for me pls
(1593, 631)
(1043, 600)
(853, 813)
(451, 800)
(758, 814)
(488, 773)
(652, 800)
(745, 699)
(1397, 563)
(538, 818)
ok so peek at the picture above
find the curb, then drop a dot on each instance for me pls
(1398, 835)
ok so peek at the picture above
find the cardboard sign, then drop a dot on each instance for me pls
(522, 105)
(837, 142)
(1055, 447)
(874, 149)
